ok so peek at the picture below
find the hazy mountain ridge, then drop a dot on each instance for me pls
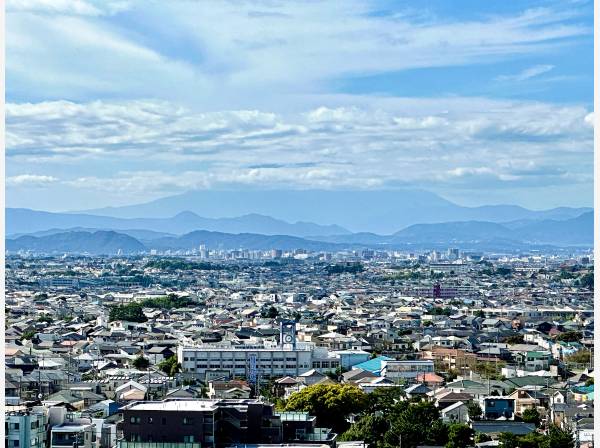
(100, 242)
(470, 234)
(25, 221)
(376, 211)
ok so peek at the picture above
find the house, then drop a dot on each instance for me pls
(528, 398)
(131, 390)
(355, 375)
(158, 354)
(455, 413)
(184, 392)
(310, 377)
(417, 391)
(494, 408)
(233, 389)
(533, 361)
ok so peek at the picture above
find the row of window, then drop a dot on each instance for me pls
(191, 358)
(325, 364)
(138, 438)
(186, 420)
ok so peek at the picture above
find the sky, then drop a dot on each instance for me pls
(119, 102)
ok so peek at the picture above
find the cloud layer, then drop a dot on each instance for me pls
(469, 143)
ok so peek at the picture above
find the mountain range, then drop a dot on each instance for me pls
(467, 235)
(415, 217)
(377, 211)
(24, 221)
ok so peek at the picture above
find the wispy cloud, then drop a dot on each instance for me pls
(528, 73)
(232, 54)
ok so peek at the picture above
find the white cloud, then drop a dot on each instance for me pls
(168, 149)
(30, 180)
(528, 73)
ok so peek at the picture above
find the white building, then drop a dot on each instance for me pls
(266, 361)
(405, 368)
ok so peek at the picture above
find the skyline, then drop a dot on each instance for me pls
(110, 103)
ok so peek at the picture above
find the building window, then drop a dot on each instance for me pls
(188, 421)
(188, 439)
(135, 420)
(150, 419)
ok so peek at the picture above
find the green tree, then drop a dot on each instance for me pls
(141, 363)
(569, 336)
(531, 416)
(482, 437)
(132, 312)
(330, 403)
(370, 429)
(558, 438)
(491, 370)
(170, 366)
(532, 440)
(459, 435)
(508, 440)
(413, 424)
(384, 399)
(474, 410)
(271, 313)
(28, 335)
(587, 280)
(437, 434)
(579, 357)
(515, 339)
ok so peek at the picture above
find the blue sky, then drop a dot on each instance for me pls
(119, 102)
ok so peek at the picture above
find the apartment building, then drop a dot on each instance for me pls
(25, 430)
(199, 423)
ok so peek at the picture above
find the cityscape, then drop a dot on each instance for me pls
(299, 224)
(236, 348)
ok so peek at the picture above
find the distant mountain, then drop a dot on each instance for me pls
(25, 221)
(577, 231)
(139, 234)
(250, 241)
(452, 232)
(100, 242)
(481, 235)
(377, 211)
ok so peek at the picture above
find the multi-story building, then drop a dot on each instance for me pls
(265, 361)
(25, 430)
(200, 423)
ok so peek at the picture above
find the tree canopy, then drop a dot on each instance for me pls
(331, 404)
(141, 363)
(170, 366)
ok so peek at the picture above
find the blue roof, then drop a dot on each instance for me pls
(373, 365)
(584, 389)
